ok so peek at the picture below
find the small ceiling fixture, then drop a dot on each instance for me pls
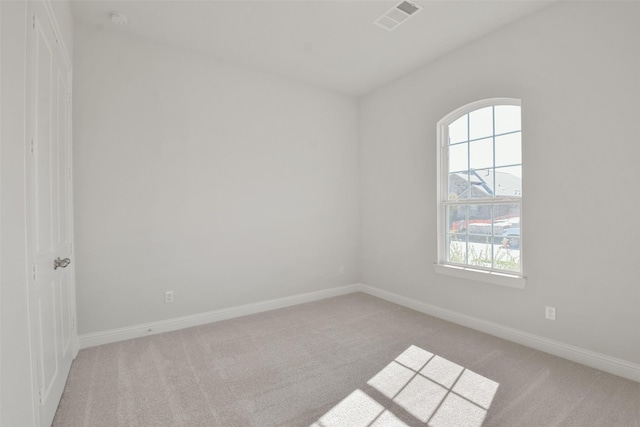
(397, 15)
(118, 18)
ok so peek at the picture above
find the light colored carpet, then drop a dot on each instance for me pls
(353, 360)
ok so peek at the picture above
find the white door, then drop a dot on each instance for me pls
(52, 299)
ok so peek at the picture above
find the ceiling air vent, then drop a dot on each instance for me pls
(397, 15)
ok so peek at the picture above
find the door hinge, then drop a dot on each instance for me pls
(73, 323)
(34, 271)
(33, 21)
(69, 174)
(69, 98)
(41, 395)
(33, 144)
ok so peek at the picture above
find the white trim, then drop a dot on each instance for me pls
(136, 331)
(58, 33)
(590, 358)
(1, 242)
(486, 276)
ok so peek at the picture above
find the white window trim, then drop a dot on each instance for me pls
(442, 266)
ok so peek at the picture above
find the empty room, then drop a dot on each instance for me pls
(319, 213)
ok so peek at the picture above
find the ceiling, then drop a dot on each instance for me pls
(328, 43)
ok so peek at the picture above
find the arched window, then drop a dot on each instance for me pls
(480, 191)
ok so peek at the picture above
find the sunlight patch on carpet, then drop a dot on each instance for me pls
(393, 378)
(428, 387)
(358, 409)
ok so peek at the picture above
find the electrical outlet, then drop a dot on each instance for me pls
(341, 270)
(550, 313)
(168, 297)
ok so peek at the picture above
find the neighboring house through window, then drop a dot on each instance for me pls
(480, 192)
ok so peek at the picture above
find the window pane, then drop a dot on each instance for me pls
(458, 186)
(508, 149)
(458, 157)
(481, 153)
(480, 213)
(456, 216)
(506, 259)
(509, 181)
(456, 250)
(479, 220)
(480, 254)
(506, 216)
(456, 234)
(479, 235)
(507, 118)
(481, 183)
(481, 123)
(506, 226)
(458, 130)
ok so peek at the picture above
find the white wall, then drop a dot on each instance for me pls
(576, 67)
(17, 399)
(226, 185)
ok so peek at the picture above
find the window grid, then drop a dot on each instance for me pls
(484, 137)
(492, 202)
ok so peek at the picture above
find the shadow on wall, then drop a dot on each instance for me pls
(430, 388)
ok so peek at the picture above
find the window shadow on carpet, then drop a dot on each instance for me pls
(429, 388)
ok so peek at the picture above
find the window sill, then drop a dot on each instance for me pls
(502, 279)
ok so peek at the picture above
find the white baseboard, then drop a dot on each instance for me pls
(590, 358)
(136, 331)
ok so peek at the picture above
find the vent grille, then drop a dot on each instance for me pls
(408, 8)
(397, 15)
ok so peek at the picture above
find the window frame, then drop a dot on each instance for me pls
(442, 266)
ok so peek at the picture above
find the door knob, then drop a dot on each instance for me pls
(62, 263)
